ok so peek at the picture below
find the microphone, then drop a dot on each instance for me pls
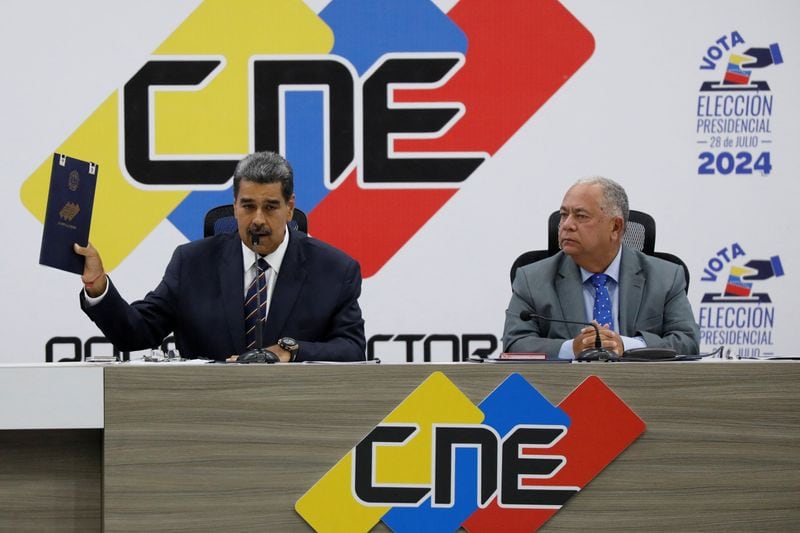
(258, 354)
(598, 353)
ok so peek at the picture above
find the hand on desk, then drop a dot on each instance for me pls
(609, 338)
(282, 354)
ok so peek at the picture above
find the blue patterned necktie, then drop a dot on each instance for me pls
(251, 311)
(602, 300)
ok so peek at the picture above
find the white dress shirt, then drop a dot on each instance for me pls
(275, 259)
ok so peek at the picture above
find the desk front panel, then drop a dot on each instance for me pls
(233, 447)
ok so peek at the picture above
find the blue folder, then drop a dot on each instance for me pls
(69, 212)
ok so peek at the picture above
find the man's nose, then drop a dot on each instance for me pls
(260, 217)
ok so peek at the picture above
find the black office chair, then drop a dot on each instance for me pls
(640, 234)
(220, 219)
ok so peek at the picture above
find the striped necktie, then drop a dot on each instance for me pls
(256, 291)
(602, 300)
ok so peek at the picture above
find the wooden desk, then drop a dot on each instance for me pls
(51, 438)
(232, 448)
(222, 448)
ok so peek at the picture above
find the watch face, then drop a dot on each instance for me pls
(287, 343)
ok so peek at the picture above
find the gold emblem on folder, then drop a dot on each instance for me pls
(74, 180)
(69, 211)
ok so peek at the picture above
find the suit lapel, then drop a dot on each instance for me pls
(231, 280)
(290, 280)
(631, 289)
(569, 288)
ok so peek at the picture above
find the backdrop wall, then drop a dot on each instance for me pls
(541, 93)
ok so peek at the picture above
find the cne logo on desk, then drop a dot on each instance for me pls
(438, 462)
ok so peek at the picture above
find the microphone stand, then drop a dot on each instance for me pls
(258, 354)
(597, 353)
(259, 341)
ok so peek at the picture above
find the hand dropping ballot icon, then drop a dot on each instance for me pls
(737, 75)
(739, 287)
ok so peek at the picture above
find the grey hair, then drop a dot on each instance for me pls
(265, 167)
(615, 199)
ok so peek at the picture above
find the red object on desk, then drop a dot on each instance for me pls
(522, 356)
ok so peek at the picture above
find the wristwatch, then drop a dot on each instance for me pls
(290, 345)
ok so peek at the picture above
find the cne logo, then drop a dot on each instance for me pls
(383, 108)
(438, 462)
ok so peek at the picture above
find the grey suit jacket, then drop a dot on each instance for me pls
(652, 304)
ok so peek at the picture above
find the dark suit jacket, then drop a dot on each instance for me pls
(201, 300)
(652, 304)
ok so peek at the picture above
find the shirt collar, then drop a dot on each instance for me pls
(275, 259)
(612, 271)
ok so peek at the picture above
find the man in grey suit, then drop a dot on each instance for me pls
(646, 304)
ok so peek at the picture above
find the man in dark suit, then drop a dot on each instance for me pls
(311, 296)
(646, 303)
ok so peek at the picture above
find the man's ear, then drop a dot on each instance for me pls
(618, 227)
(235, 208)
(290, 203)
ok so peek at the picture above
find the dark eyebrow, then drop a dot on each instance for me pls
(245, 200)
